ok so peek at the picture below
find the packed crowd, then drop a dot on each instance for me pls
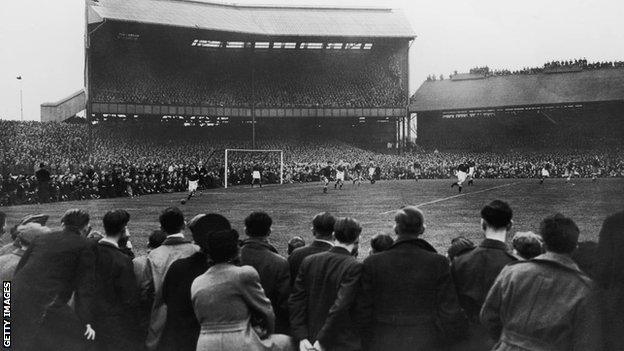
(76, 289)
(291, 79)
(548, 66)
(131, 160)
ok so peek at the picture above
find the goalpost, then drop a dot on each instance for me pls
(228, 151)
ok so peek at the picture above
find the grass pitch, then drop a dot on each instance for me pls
(447, 213)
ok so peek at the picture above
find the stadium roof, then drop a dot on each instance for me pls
(263, 20)
(520, 90)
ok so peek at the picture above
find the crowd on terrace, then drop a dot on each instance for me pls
(294, 79)
(548, 66)
(133, 160)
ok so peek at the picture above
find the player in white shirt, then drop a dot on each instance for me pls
(340, 176)
(544, 173)
(256, 176)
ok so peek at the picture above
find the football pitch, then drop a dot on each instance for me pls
(447, 213)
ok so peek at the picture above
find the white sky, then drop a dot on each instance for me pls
(42, 40)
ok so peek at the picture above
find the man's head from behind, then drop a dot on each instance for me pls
(76, 220)
(496, 216)
(115, 223)
(560, 234)
(409, 221)
(258, 224)
(347, 231)
(323, 225)
(202, 225)
(171, 221)
(527, 245)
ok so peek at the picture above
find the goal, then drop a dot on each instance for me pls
(256, 156)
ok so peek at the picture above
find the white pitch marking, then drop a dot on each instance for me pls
(456, 196)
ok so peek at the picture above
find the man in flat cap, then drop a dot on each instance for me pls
(55, 267)
(407, 299)
(25, 235)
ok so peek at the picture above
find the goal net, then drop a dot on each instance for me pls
(240, 165)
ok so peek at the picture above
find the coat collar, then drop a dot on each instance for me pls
(108, 244)
(493, 244)
(340, 250)
(560, 260)
(414, 241)
(175, 240)
(259, 244)
(321, 243)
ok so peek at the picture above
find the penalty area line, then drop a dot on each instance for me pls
(456, 196)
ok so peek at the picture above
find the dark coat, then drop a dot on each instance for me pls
(322, 300)
(181, 328)
(297, 256)
(116, 298)
(274, 277)
(542, 304)
(474, 273)
(54, 267)
(407, 299)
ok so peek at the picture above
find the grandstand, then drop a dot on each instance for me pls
(569, 107)
(209, 64)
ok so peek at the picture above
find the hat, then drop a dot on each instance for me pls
(34, 218)
(206, 223)
(29, 231)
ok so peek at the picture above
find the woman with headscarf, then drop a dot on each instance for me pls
(230, 304)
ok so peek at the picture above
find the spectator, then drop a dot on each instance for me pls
(527, 245)
(158, 262)
(459, 246)
(54, 267)
(15, 244)
(420, 313)
(224, 299)
(181, 328)
(26, 233)
(544, 303)
(380, 242)
(610, 280)
(155, 239)
(43, 183)
(475, 271)
(324, 294)
(322, 229)
(117, 294)
(295, 243)
(257, 251)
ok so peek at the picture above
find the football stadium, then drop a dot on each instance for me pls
(169, 90)
(264, 177)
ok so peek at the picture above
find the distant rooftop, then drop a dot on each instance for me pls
(269, 20)
(596, 85)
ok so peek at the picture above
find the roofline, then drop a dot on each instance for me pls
(53, 104)
(512, 106)
(109, 19)
(285, 7)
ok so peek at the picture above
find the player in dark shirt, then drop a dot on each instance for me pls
(193, 183)
(357, 174)
(417, 171)
(462, 174)
(326, 173)
(595, 168)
